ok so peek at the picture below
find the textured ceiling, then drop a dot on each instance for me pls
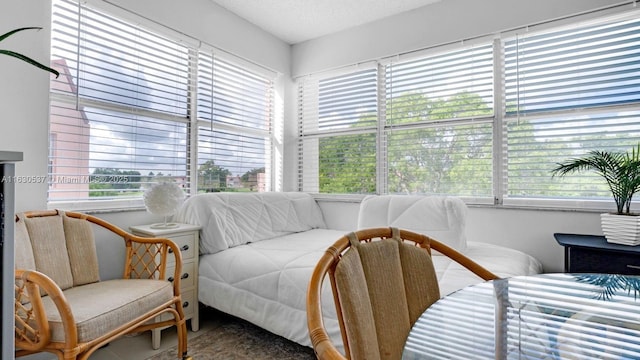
(295, 21)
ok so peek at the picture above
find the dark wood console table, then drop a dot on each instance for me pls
(593, 254)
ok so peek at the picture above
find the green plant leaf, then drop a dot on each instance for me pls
(24, 57)
(6, 35)
(30, 61)
(621, 171)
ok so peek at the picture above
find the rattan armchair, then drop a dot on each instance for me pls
(382, 281)
(62, 307)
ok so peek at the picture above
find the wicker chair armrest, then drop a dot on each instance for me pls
(322, 345)
(162, 248)
(32, 331)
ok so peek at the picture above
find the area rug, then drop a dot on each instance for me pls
(240, 340)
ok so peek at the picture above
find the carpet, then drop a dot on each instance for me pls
(240, 340)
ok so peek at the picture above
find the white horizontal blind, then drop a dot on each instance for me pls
(230, 94)
(233, 161)
(569, 91)
(453, 85)
(235, 109)
(337, 126)
(579, 67)
(119, 108)
(439, 114)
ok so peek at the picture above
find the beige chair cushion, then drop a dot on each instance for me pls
(383, 287)
(360, 328)
(50, 249)
(23, 250)
(81, 249)
(103, 306)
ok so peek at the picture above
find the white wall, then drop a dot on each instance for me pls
(439, 23)
(204, 20)
(24, 93)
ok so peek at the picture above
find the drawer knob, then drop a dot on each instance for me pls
(185, 304)
(184, 276)
(184, 248)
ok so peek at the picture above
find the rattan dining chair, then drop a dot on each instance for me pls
(382, 280)
(62, 306)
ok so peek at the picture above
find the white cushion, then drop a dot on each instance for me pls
(232, 219)
(440, 217)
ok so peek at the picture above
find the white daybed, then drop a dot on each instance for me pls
(258, 251)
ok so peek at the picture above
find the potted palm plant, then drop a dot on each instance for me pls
(23, 57)
(621, 171)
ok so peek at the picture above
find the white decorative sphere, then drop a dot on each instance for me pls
(163, 199)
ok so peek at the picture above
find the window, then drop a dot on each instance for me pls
(121, 113)
(416, 126)
(439, 123)
(569, 91)
(338, 129)
(486, 121)
(235, 109)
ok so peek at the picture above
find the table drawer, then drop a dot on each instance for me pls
(599, 261)
(185, 244)
(188, 274)
(189, 303)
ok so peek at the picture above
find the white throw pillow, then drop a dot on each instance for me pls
(440, 217)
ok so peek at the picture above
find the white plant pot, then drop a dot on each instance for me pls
(621, 229)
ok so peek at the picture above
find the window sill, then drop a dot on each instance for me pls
(99, 206)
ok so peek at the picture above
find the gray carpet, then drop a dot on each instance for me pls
(237, 339)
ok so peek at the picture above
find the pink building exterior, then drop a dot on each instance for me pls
(68, 143)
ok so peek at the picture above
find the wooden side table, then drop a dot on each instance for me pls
(593, 254)
(186, 236)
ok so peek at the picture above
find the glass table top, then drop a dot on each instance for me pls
(547, 316)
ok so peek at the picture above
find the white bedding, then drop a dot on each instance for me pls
(263, 282)
(257, 251)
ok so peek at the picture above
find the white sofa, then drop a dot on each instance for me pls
(258, 251)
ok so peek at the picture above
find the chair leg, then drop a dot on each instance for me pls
(182, 340)
(182, 333)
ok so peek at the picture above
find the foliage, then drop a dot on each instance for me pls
(113, 182)
(424, 155)
(610, 284)
(212, 177)
(348, 164)
(247, 177)
(24, 57)
(620, 170)
(251, 177)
